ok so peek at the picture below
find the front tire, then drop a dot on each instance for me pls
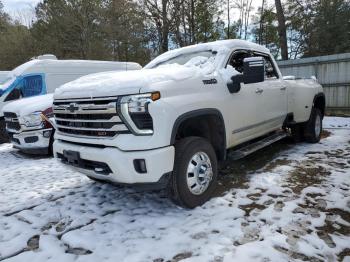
(313, 128)
(297, 132)
(195, 172)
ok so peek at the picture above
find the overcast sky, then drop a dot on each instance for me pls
(17, 5)
(13, 6)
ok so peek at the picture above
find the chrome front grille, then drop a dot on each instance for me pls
(12, 121)
(94, 118)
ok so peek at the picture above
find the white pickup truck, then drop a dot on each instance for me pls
(171, 122)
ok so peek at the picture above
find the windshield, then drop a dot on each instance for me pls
(183, 59)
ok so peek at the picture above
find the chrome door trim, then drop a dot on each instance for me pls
(242, 129)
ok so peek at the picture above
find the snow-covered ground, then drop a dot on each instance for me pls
(285, 202)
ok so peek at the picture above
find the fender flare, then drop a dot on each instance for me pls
(196, 113)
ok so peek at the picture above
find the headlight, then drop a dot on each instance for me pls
(33, 120)
(133, 110)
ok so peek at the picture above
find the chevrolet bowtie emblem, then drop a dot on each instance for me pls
(72, 107)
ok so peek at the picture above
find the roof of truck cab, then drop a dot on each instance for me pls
(234, 44)
(70, 66)
(229, 44)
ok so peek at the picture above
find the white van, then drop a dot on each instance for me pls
(3, 76)
(42, 76)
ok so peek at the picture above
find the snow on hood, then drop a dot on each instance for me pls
(122, 83)
(29, 105)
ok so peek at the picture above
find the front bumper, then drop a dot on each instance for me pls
(120, 164)
(32, 142)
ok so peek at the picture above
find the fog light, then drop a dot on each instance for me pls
(31, 139)
(47, 134)
(140, 166)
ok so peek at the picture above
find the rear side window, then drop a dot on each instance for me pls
(270, 70)
(32, 85)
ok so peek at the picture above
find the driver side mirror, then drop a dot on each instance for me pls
(234, 86)
(253, 72)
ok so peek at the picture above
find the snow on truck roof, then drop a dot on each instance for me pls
(68, 65)
(221, 45)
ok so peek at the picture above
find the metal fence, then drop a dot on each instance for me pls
(332, 71)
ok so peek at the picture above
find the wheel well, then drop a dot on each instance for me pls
(320, 103)
(209, 126)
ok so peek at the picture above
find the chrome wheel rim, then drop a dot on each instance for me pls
(317, 125)
(199, 173)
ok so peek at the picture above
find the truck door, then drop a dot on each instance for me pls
(271, 99)
(241, 105)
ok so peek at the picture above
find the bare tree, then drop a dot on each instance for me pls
(282, 30)
(245, 8)
(159, 13)
(228, 19)
(248, 9)
(261, 22)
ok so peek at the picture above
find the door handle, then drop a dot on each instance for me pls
(283, 88)
(259, 90)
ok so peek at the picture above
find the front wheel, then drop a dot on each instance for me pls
(195, 172)
(313, 128)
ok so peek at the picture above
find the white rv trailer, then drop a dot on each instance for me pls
(44, 74)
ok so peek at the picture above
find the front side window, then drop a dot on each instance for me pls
(32, 85)
(16, 90)
(236, 61)
(13, 95)
(270, 71)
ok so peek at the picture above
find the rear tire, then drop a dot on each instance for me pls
(4, 138)
(195, 172)
(313, 128)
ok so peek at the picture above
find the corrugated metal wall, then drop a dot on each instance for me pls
(333, 72)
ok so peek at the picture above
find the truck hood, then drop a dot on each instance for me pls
(124, 83)
(29, 105)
